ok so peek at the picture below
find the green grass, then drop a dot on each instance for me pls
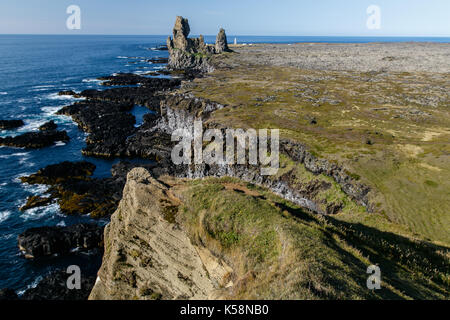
(407, 164)
(277, 250)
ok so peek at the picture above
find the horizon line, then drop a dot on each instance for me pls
(231, 35)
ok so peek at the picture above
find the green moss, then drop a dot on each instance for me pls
(170, 213)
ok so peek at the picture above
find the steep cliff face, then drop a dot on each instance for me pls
(147, 255)
(310, 190)
(221, 238)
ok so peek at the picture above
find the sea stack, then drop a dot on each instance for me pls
(221, 42)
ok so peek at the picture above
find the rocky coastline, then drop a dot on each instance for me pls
(105, 115)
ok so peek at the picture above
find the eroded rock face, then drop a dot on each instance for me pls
(47, 241)
(192, 53)
(148, 255)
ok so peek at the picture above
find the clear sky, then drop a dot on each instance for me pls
(238, 17)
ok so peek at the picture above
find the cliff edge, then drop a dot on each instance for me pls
(222, 238)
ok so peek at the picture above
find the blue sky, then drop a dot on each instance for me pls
(238, 17)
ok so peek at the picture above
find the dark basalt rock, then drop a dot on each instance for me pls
(105, 114)
(10, 124)
(148, 144)
(54, 287)
(67, 93)
(36, 201)
(161, 48)
(51, 125)
(8, 295)
(47, 241)
(158, 60)
(35, 140)
(109, 125)
(128, 79)
(120, 170)
(75, 191)
(57, 173)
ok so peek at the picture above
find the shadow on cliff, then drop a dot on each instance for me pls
(418, 269)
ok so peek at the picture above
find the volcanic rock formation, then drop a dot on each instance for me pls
(192, 53)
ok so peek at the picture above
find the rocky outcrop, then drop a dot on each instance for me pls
(48, 241)
(50, 125)
(35, 140)
(54, 287)
(10, 124)
(75, 191)
(106, 116)
(192, 53)
(147, 255)
(221, 42)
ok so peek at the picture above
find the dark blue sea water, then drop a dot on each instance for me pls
(33, 69)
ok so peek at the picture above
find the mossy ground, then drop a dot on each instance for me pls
(278, 250)
(391, 130)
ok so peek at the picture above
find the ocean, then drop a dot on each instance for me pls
(33, 69)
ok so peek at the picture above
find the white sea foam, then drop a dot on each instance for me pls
(31, 125)
(61, 224)
(31, 285)
(3, 93)
(36, 189)
(7, 236)
(122, 57)
(4, 215)
(20, 154)
(44, 86)
(39, 89)
(59, 144)
(50, 111)
(93, 80)
(16, 179)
